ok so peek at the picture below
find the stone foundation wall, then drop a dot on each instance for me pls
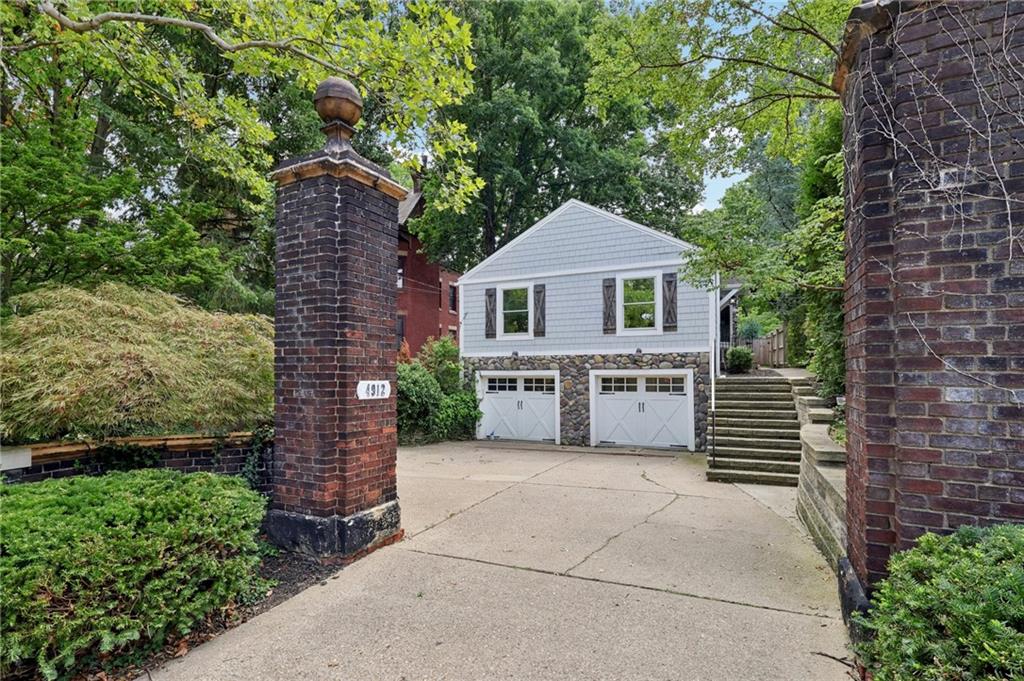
(821, 494)
(575, 379)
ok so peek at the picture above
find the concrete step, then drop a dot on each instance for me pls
(753, 477)
(746, 453)
(756, 443)
(791, 467)
(753, 405)
(767, 389)
(755, 397)
(755, 414)
(755, 421)
(754, 430)
(759, 380)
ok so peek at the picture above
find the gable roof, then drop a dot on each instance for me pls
(575, 204)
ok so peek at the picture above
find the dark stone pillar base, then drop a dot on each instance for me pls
(852, 599)
(334, 537)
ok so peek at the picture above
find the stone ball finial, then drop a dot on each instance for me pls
(337, 100)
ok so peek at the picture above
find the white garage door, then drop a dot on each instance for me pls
(652, 410)
(518, 407)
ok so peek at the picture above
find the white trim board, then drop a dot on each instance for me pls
(728, 296)
(484, 374)
(691, 388)
(576, 352)
(610, 268)
(683, 246)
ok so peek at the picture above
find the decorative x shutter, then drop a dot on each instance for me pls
(669, 302)
(490, 312)
(609, 306)
(538, 309)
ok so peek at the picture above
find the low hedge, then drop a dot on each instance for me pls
(94, 568)
(951, 608)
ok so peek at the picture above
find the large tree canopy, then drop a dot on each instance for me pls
(747, 84)
(538, 141)
(732, 71)
(136, 144)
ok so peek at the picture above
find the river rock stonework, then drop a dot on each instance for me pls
(574, 374)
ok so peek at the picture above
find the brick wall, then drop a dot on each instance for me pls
(228, 456)
(934, 300)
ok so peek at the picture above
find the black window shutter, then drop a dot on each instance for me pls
(609, 305)
(538, 309)
(490, 312)
(669, 302)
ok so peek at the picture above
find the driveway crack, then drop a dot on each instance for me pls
(615, 536)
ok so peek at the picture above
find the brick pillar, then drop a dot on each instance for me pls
(935, 272)
(334, 490)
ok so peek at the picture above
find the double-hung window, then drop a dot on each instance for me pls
(639, 304)
(515, 308)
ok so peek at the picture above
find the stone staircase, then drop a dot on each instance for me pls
(757, 434)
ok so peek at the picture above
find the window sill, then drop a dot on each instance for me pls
(638, 332)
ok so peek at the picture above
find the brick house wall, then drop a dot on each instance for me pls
(935, 272)
(424, 296)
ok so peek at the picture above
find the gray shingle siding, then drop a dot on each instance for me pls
(578, 238)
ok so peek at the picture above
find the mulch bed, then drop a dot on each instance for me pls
(291, 572)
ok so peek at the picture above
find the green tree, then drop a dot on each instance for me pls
(730, 71)
(159, 125)
(538, 143)
(748, 84)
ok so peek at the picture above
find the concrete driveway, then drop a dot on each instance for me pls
(548, 563)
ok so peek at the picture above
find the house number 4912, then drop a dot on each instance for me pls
(373, 390)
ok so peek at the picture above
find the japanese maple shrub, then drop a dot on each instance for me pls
(95, 568)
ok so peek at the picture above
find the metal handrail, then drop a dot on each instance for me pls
(714, 437)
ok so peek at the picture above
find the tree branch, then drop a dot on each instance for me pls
(86, 25)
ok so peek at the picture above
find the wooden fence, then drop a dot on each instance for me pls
(770, 350)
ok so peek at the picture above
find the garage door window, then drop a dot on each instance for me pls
(499, 385)
(539, 385)
(674, 385)
(618, 384)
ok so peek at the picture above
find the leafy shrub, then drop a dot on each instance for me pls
(455, 417)
(739, 360)
(418, 395)
(426, 413)
(440, 356)
(753, 325)
(119, 361)
(951, 608)
(98, 565)
(749, 329)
